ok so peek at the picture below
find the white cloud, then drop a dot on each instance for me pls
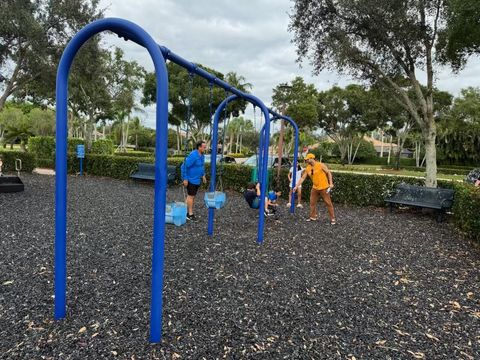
(248, 37)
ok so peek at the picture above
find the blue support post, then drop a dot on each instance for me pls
(295, 151)
(128, 30)
(264, 141)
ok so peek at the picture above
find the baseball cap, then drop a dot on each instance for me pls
(309, 156)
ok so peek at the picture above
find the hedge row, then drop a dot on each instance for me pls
(352, 189)
(9, 157)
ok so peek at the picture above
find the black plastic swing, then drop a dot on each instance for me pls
(9, 184)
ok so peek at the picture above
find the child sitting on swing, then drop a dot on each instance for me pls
(252, 196)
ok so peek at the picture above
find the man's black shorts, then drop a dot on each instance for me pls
(192, 189)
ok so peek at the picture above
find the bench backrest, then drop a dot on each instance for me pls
(146, 168)
(424, 194)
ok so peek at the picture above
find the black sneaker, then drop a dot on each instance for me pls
(191, 217)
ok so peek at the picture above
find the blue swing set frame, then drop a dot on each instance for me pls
(159, 54)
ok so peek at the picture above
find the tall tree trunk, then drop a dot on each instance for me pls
(381, 145)
(178, 138)
(430, 135)
(390, 150)
(237, 142)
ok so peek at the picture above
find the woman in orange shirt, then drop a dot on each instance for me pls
(322, 184)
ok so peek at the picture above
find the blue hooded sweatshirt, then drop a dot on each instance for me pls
(193, 168)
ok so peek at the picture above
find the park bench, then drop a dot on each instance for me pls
(146, 171)
(422, 197)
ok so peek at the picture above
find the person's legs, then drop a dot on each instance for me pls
(190, 200)
(313, 203)
(328, 202)
(299, 197)
(191, 193)
(290, 197)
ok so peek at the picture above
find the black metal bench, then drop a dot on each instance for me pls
(422, 197)
(146, 171)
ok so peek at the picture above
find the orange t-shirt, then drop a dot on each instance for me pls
(318, 176)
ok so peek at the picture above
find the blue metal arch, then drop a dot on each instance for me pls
(263, 158)
(123, 28)
(295, 150)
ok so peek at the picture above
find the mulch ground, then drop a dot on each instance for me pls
(374, 286)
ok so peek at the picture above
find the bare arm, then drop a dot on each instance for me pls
(302, 179)
(329, 174)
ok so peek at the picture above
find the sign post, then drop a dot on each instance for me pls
(81, 156)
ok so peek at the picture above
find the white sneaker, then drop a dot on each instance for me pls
(289, 204)
(300, 206)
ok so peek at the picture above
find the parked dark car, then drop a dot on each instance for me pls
(473, 176)
(225, 159)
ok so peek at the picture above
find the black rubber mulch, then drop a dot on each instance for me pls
(375, 286)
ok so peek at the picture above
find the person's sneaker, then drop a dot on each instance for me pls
(300, 206)
(269, 213)
(191, 217)
(289, 204)
(312, 219)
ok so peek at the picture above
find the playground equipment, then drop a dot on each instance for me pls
(295, 151)
(10, 184)
(159, 54)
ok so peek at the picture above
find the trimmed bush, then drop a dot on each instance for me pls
(137, 154)
(9, 157)
(42, 147)
(103, 147)
(352, 189)
(46, 163)
(72, 144)
(467, 209)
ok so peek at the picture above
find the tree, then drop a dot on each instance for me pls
(346, 115)
(31, 36)
(383, 41)
(297, 100)
(123, 80)
(461, 37)
(42, 121)
(179, 93)
(459, 129)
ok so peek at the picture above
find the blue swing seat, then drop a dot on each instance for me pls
(215, 199)
(176, 213)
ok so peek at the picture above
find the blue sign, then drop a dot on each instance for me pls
(80, 151)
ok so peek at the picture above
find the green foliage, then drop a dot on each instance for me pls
(458, 139)
(103, 147)
(72, 144)
(42, 147)
(135, 154)
(42, 121)
(34, 34)
(179, 91)
(462, 35)
(366, 150)
(297, 100)
(9, 157)
(352, 189)
(467, 209)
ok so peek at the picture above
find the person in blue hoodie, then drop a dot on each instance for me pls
(193, 172)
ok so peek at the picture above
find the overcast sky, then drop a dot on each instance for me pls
(248, 37)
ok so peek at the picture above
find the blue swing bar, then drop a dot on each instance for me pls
(159, 54)
(263, 160)
(275, 117)
(144, 39)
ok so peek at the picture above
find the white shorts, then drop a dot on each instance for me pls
(298, 187)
